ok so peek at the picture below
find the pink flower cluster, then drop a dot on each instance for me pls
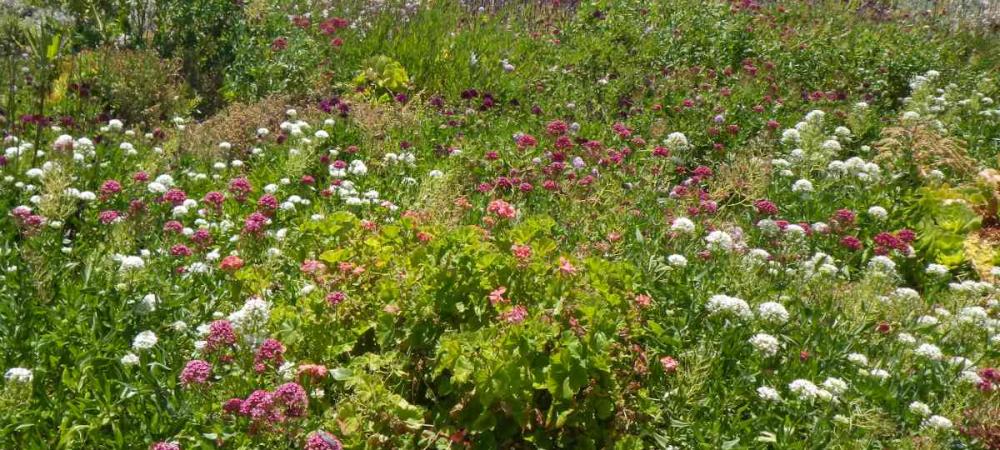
(322, 440)
(264, 408)
(196, 372)
(270, 354)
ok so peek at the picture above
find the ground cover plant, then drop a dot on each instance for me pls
(670, 224)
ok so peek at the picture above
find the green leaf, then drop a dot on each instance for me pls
(333, 256)
(341, 373)
(53, 49)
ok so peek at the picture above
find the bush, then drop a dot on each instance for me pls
(136, 86)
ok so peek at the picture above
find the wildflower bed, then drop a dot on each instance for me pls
(326, 225)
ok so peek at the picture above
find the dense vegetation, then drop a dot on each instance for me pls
(625, 224)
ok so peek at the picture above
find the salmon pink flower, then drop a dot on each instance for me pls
(669, 364)
(231, 263)
(565, 267)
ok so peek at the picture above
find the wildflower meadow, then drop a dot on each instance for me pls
(520, 224)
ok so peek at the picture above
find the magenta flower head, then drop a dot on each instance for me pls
(173, 226)
(844, 217)
(220, 334)
(215, 199)
(515, 315)
(196, 372)
(164, 446)
(241, 188)
(524, 141)
(321, 440)
(293, 397)
(268, 201)
(557, 128)
(180, 250)
(232, 406)
(766, 207)
(259, 406)
(270, 353)
(110, 188)
(336, 298)
(175, 196)
(109, 217)
(851, 243)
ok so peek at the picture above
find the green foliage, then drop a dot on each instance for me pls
(382, 72)
(462, 227)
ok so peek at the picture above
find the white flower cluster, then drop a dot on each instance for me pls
(251, 318)
(772, 313)
(719, 240)
(765, 344)
(807, 390)
(682, 225)
(676, 141)
(725, 305)
(18, 375)
(144, 341)
(856, 168)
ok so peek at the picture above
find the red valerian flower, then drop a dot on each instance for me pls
(669, 364)
(231, 263)
(196, 372)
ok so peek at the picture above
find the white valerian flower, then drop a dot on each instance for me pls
(803, 186)
(795, 231)
(936, 270)
(130, 359)
(791, 136)
(773, 313)
(906, 295)
(131, 262)
(937, 422)
(682, 224)
(929, 351)
(768, 394)
(723, 304)
(879, 374)
(144, 341)
(720, 240)
(766, 344)
(147, 304)
(757, 256)
(815, 115)
(831, 146)
(676, 141)
(882, 264)
(878, 212)
(18, 375)
(973, 314)
(804, 389)
(920, 409)
(252, 316)
(287, 370)
(906, 338)
(677, 260)
(835, 385)
(64, 142)
(858, 359)
(358, 167)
